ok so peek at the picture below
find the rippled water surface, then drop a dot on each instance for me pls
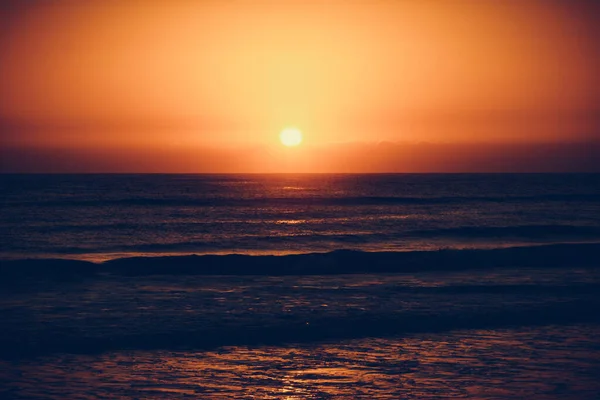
(553, 362)
(390, 319)
(99, 217)
(504, 333)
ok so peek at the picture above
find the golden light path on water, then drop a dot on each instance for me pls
(172, 317)
(538, 362)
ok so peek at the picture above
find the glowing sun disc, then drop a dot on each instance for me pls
(290, 137)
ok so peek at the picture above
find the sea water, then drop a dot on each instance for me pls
(99, 217)
(507, 309)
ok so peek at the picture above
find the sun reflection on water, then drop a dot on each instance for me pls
(539, 362)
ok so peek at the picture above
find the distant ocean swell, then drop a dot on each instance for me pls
(300, 241)
(302, 200)
(538, 231)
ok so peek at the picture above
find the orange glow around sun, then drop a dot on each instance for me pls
(93, 86)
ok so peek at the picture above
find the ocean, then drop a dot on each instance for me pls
(317, 286)
(100, 217)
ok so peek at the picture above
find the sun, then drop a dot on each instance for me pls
(290, 137)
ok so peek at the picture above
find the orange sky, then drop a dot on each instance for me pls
(187, 83)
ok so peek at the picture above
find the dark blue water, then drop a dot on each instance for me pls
(100, 217)
(507, 309)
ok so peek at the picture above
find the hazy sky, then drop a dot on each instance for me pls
(206, 86)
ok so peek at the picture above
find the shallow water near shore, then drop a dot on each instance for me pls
(553, 362)
(500, 333)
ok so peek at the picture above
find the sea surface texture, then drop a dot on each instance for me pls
(98, 217)
(341, 287)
